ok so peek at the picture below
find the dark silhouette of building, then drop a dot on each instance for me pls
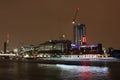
(115, 53)
(5, 47)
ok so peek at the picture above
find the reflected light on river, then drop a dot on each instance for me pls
(83, 72)
(79, 72)
(83, 68)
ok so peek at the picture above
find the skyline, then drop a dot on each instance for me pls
(33, 22)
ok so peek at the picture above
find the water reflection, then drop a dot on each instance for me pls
(83, 72)
(37, 71)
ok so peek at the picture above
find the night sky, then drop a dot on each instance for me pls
(35, 21)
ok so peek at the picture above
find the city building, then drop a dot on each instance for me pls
(79, 32)
(55, 46)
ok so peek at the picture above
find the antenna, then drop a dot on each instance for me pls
(74, 19)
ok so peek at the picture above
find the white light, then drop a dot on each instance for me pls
(73, 22)
(63, 36)
(7, 54)
(26, 56)
(83, 68)
(66, 66)
(15, 50)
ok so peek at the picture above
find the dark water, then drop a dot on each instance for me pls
(37, 71)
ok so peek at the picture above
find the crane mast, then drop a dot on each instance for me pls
(75, 16)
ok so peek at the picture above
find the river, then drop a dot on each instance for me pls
(37, 71)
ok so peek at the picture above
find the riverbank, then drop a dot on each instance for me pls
(67, 61)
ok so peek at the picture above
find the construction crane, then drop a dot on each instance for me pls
(74, 19)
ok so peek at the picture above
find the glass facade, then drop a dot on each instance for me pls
(79, 31)
(55, 46)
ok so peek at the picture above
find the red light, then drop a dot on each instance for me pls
(84, 63)
(84, 40)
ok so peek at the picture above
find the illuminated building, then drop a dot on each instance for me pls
(79, 31)
(87, 49)
(91, 49)
(27, 49)
(55, 46)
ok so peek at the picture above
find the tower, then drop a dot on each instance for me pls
(6, 44)
(79, 32)
(5, 47)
